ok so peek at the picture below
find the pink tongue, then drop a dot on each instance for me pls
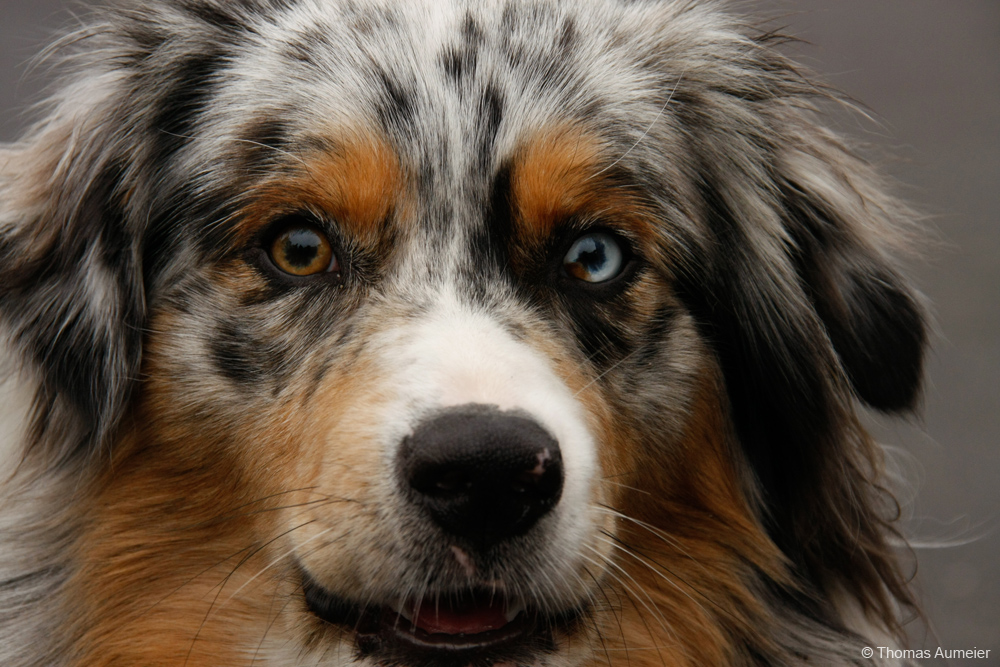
(468, 619)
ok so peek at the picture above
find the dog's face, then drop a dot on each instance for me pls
(471, 333)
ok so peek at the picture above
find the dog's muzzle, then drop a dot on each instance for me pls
(483, 478)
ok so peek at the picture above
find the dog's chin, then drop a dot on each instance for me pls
(475, 627)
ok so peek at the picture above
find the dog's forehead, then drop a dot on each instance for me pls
(456, 87)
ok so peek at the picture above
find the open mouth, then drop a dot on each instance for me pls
(477, 627)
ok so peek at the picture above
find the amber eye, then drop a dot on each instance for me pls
(302, 250)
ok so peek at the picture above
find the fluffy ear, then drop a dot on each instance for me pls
(796, 290)
(71, 295)
(843, 226)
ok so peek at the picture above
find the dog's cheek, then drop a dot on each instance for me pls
(344, 471)
(184, 525)
(221, 493)
(686, 540)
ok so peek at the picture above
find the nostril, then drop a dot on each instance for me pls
(481, 473)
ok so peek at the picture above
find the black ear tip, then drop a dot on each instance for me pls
(881, 345)
(897, 388)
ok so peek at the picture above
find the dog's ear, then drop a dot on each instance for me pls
(802, 230)
(805, 236)
(796, 289)
(843, 227)
(71, 295)
(803, 288)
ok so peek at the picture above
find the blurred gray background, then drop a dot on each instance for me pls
(928, 71)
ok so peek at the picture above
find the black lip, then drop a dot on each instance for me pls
(380, 633)
(329, 607)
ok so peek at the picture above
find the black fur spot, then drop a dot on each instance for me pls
(600, 328)
(461, 62)
(397, 106)
(265, 140)
(490, 241)
(491, 111)
(304, 49)
(182, 217)
(656, 332)
(238, 356)
(189, 93)
(233, 16)
(471, 32)
(568, 37)
(148, 38)
(222, 17)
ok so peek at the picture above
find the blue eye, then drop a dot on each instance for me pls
(594, 258)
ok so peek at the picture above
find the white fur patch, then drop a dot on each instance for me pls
(456, 355)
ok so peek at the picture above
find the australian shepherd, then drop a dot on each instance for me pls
(445, 333)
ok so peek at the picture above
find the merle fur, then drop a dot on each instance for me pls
(800, 325)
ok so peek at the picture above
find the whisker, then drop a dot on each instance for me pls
(642, 648)
(632, 590)
(639, 140)
(659, 569)
(273, 563)
(238, 515)
(606, 480)
(635, 595)
(222, 584)
(194, 578)
(657, 532)
(604, 372)
(613, 542)
(279, 151)
(220, 562)
(270, 623)
(618, 620)
(675, 544)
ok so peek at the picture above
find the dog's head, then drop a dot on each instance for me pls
(455, 333)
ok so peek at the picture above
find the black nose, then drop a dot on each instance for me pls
(482, 474)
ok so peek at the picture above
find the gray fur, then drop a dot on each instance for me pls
(120, 200)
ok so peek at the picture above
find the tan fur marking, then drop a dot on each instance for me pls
(180, 533)
(358, 185)
(564, 173)
(188, 556)
(685, 556)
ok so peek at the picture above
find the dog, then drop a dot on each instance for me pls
(446, 332)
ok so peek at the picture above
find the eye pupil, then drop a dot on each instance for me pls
(300, 247)
(591, 254)
(594, 258)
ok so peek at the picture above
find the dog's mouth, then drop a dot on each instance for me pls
(474, 627)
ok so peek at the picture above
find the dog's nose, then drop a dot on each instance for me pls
(482, 474)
